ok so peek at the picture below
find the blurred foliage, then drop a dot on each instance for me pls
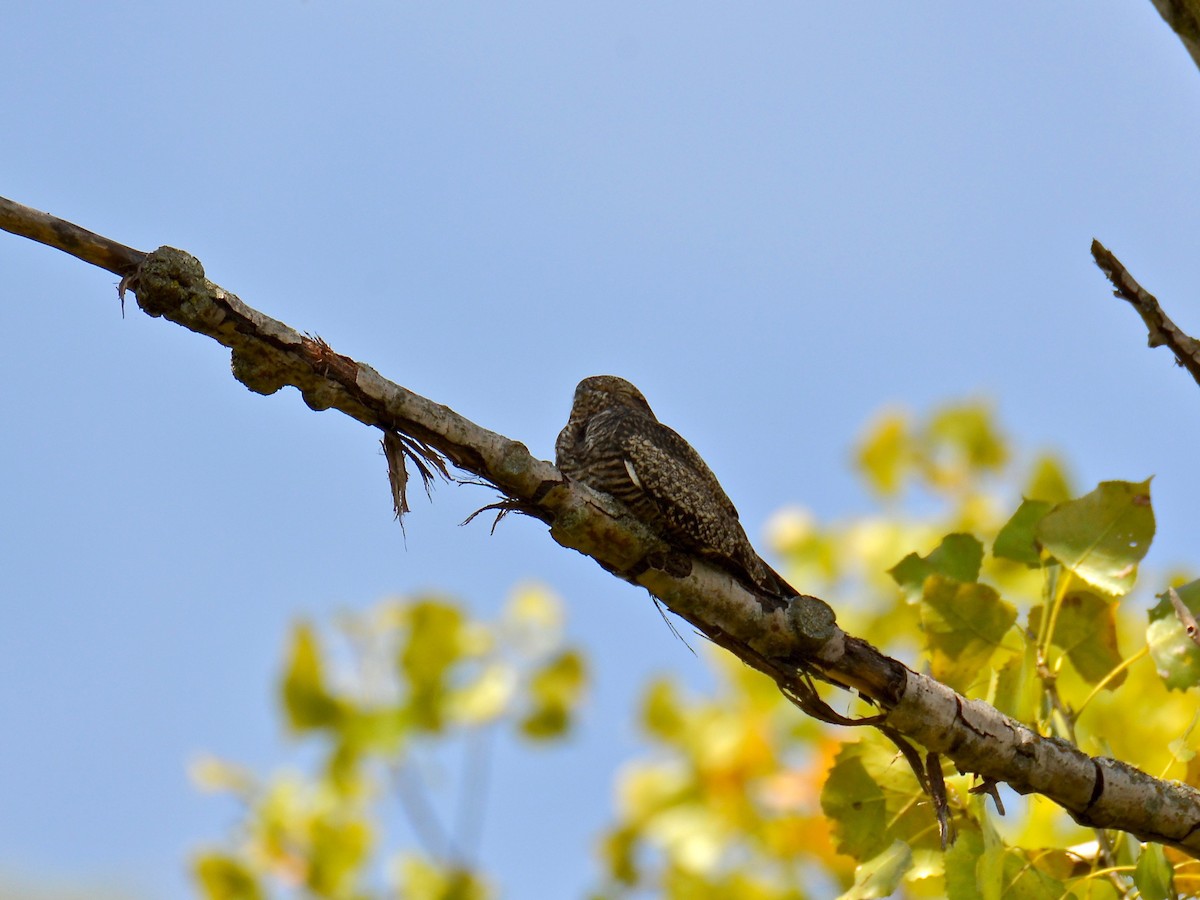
(987, 568)
(410, 677)
(976, 541)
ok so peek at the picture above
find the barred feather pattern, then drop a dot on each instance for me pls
(614, 444)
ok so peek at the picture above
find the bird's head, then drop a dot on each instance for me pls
(601, 392)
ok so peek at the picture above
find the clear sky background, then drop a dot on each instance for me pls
(775, 218)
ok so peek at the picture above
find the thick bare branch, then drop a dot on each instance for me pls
(1184, 18)
(786, 643)
(1163, 332)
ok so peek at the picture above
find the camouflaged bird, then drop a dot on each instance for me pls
(614, 444)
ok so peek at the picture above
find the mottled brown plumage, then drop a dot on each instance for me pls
(614, 444)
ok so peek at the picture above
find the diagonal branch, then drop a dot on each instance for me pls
(1184, 18)
(1163, 332)
(786, 643)
(66, 236)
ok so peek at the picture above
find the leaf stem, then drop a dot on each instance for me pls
(1104, 682)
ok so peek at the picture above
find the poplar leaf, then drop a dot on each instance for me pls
(1102, 536)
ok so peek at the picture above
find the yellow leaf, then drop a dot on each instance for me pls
(554, 689)
(533, 619)
(885, 454)
(305, 699)
(487, 697)
(223, 877)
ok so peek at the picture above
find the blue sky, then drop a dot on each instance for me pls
(775, 218)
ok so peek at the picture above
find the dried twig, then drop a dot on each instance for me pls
(941, 803)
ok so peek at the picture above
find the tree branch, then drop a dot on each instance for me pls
(1163, 332)
(785, 642)
(1184, 18)
(63, 235)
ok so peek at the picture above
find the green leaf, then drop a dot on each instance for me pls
(880, 876)
(963, 624)
(305, 699)
(1018, 690)
(1153, 875)
(1016, 539)
(222, 877)
(986, 869)
(855, 805)
(872, 798)
(1086, 629)
(1175, 655)
(555, 689)
(1176, 658)
(990, 869)
(1102, 536)
(958, 556)
(1024, 880)
(962, 860)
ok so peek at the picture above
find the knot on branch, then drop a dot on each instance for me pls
(812, 621)
(264, 373)
(167, 282)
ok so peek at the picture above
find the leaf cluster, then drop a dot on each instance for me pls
(398, 681)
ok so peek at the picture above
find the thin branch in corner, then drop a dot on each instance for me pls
(1163, 332)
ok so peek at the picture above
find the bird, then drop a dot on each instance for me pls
(615, 444)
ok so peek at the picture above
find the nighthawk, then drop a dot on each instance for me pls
(614, 444)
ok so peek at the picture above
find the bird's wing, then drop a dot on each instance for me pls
(694, 507)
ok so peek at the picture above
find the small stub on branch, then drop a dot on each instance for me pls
(812, 620)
